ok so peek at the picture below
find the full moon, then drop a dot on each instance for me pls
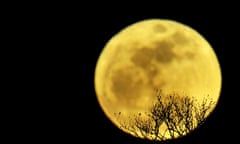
(150, 55)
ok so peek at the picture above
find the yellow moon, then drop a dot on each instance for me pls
(154, 54)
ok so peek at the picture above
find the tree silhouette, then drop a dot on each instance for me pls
(170, 116)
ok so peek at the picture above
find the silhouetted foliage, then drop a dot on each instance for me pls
(171, 116)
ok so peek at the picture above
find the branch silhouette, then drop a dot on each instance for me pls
(170, 116)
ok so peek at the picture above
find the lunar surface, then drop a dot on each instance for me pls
(154, 54)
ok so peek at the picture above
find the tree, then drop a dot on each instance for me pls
(170, 116)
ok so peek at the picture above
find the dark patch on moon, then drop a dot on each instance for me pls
(159, 28)
(180, 38)
(125, 86)
(163, 51)
(143, 57)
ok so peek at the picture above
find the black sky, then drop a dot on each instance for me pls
(102, 27)
(71, 38)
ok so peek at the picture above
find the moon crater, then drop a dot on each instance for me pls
(159, 28)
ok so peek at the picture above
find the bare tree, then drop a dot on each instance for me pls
(201, 111)
(137, 125)
(179, 114)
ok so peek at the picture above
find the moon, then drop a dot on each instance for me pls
(154, 54)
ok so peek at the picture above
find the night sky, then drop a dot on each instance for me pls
(76, 35)
(209, 25)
